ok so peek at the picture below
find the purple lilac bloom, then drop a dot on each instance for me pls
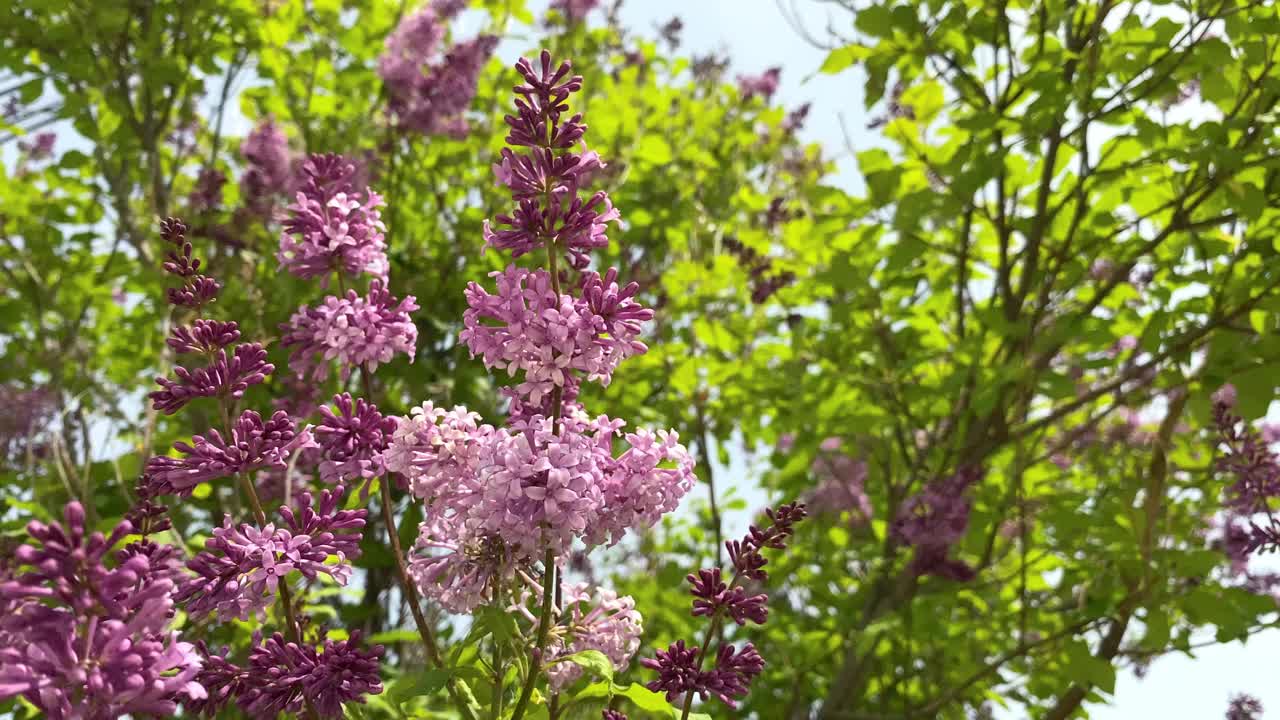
(560, 214)
(575, 11)
(84, 639)
(281, 674)
(352, 440)
(223, 376)
(252, 445)
(206, 194)
(605, 622)
(680, 668)
(763, 85)
(431, 87)
(357, 331)
(27, 413)
(197, 290)
(840, 484)
(330, 228)
(527, 327)
(1244, 707)
(238, 573)
(203, 336)
(609, 714)
(268, 168)
(40, 147)
(934, 520)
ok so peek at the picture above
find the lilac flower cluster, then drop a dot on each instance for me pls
(538, 487)
(679, 667)
(330, 228)
(28, 413)
(356, 331)
(252, 444)
(268, 167)
(238, 573)
(431, 87)
(575, 11)
(83, 637)
(282, 676)
(934, 520)
(1244, 707)
(225, 374)
(1249, 458)
(763, 85)
(840, 481)
(602, 621)
(352, 440)
(498, 499)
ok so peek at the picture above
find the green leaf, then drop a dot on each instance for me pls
(593, 661)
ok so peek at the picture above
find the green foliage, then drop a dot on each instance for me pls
(954, 313)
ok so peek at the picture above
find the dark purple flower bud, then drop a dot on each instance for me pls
(1248, 457)
(223, 376)
(254, 444)
(733, 673)
(677, 669)
(794, 120)
(197, 289)
(608, 714)
(280, 674)
(203, 336)
(352, 440)
(1244, 707)
(222, 680)
(712, 595)
(537, 122)
(670, 31)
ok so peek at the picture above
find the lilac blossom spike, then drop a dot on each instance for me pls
(357, 331)
(252, 445)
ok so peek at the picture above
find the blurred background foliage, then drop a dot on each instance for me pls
(1065, 243)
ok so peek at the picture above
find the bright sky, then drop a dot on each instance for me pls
(756, 36)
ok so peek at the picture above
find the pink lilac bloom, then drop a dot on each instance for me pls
(253, 444)
(85, 639)
(934, 520)
(575, 11)
(280, 675)
(238, 573)
(602, 621)
(534, 487)
(268, 172)
(28, 412)
(330, 227)
(763, 85)
(526, 327)
(431, 87)
(356, 331)
(840, 484)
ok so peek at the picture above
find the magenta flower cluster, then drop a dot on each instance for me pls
(239, 572)
(680, 667)
(85, 634)
(356, 331)
(542, 486)
(431, 87)
(1251, 524)
(253, 444)
(268, 169)
(224, 374)
(934, 520)
(282, 677)
(330, 227)
(498, 499)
